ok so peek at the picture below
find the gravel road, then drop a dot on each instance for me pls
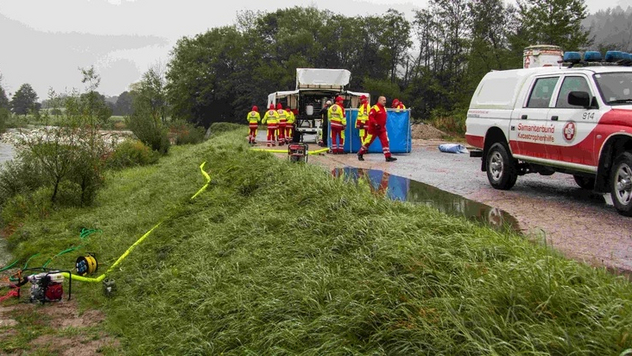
(578, 223)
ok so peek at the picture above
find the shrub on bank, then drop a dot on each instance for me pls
(131, 153)
(186, 133)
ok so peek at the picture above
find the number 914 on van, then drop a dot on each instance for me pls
(573, 120)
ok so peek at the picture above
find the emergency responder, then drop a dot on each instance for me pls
(337, 124)
(282, 121)
(253, 124)
(363, 117)
(289, 125)
(324, 124)
(377, 129)
(271, 118)
(398, 105)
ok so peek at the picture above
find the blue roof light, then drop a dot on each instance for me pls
(614, 56)
(592, 56)
(573, 57)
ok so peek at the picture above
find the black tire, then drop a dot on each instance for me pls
(585, 182)
(621, 184)
(501, 167)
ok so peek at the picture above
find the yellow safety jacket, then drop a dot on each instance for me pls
(253, 117)
(290, 117)
(282, 117)
(336, 115)
(271, 118)
(363, 115)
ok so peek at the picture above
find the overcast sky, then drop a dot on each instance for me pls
(45, 41)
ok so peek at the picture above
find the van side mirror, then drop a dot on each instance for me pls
(579, 98)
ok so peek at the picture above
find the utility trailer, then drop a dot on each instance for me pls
(314, 86)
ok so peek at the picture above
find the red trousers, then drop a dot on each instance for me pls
(289, 132)
(272, 135)
(252, 135)
(281, 133)
(337, 138)
(381, 134)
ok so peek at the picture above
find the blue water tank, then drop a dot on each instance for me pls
(592, 56)
(613, 56)
(572, 57)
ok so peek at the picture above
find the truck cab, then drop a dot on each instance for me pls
(573, 120)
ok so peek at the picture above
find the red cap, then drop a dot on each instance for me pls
(395, 102)
(363, 98)
(339, 99)
(279, 106)
(255, 108)
(271, 107)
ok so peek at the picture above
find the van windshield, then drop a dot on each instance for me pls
(615, 88)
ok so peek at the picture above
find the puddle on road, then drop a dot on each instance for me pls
(404, 189)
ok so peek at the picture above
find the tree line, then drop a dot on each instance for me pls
(218, 75)
(432, 63)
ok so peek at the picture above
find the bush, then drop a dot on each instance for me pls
(451, 122)
(130, 153)
(4, 117)
(18, 176)
(186, 133)
(150, 132)
(21, 206)
(221, 127)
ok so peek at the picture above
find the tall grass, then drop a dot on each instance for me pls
(281, 258)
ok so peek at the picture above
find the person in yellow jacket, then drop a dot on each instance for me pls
(398, 105)
(363, 118)
(282, 121)
(289, 125)
(253, 124)
(337, 124)
(271, 118)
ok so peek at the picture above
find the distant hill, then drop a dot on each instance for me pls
(611, 29)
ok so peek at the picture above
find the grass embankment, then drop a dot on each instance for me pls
(280, 258)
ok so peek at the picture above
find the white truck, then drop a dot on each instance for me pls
(314, 86)
(574, 120)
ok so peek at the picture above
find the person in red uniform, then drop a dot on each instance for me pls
(363, 118)
(253, 124)
(377, 129)
(282, 122)
(271, 119)
(337, 124)
(398, 105)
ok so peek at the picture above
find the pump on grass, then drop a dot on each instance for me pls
(47, 285)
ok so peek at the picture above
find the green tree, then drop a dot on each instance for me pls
(92, 102)
(4, 101)
(123, 106)
(148, 121)
(555, 22)
(24, 100)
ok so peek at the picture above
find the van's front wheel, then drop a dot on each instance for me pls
(621, 184)
(501, 168)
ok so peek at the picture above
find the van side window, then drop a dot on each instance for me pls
(568, 85)
(542, 92)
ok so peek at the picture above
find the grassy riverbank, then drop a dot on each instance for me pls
(280, 258)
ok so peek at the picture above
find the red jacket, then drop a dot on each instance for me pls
(377, 118)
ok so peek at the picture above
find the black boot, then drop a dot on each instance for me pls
(391, 159)
(360, 157)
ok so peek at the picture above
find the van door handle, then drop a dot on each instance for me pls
(524, 117)
(554, 118)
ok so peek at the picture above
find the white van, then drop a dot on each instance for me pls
(574, 120)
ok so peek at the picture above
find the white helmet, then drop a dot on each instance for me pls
(328, 102)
